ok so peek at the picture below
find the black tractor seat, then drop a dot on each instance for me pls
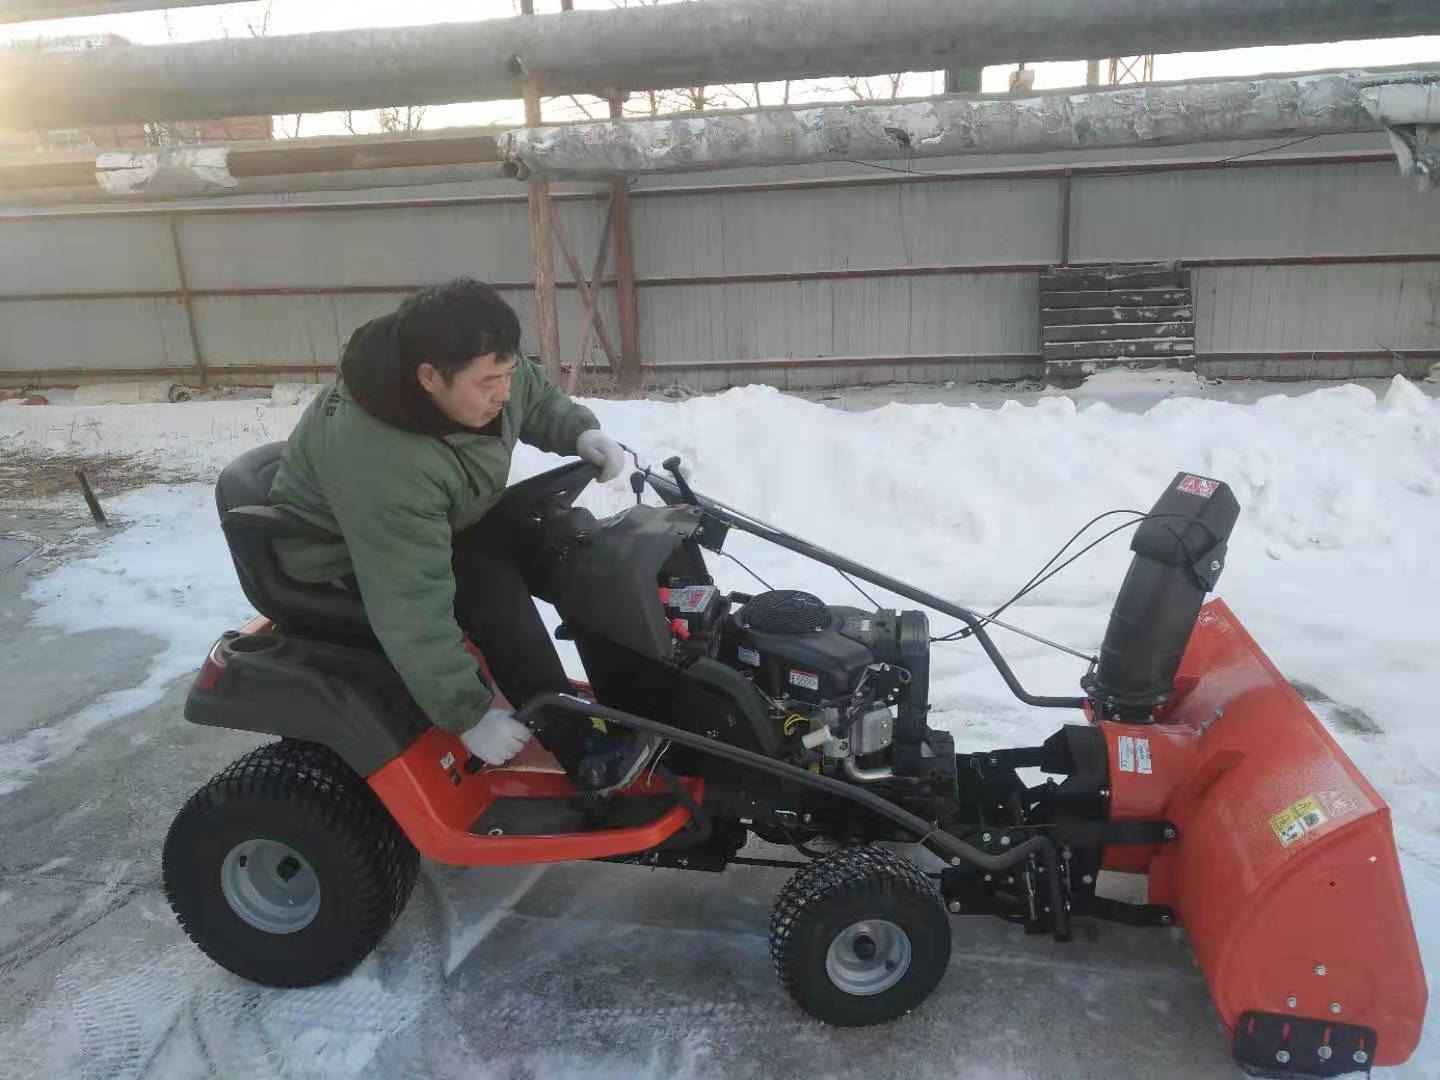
(251, 524)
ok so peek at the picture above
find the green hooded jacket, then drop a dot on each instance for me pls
(374, 462)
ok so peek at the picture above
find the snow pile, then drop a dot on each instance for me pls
(1331, 566)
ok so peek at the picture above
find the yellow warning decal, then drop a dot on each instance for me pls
(1298, 819)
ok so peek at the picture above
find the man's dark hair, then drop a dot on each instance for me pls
(449, 325)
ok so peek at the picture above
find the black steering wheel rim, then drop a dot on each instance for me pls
(567, 480)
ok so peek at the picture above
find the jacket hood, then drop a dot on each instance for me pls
(383, 381)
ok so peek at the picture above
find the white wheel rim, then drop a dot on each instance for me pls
(868, 957)
(271, 886)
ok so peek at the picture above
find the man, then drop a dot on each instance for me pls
(400, 459)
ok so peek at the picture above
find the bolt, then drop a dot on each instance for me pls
(805, 817)
(988, 877)
(1104, 793)
(1334, 1006)
(1319, 969)
(1215, 565)
(1282, 1056)
(1166, 920)
(1359, 1057)
(1169, 833)
(1004, 841)
(1290, 1003)
(955, 860)
(1324, 1053)
(1088, 879)
(954, 907)
(684, 862)
(985, 837)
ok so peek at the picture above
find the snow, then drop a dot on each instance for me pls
(166, 574)
(1331, 567)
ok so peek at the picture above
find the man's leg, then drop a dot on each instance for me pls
(493, 605)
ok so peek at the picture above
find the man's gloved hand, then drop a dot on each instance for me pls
(497, 738)
(599, 449)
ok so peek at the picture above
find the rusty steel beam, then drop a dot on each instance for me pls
(547, 316)
(256, 167)
(648, 47)
(625, 299)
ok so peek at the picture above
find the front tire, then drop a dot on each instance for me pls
(860, 937)
(285, 868)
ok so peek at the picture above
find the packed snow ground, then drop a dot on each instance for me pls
(1332, 568)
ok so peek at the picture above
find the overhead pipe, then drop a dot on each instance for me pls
(643, 48)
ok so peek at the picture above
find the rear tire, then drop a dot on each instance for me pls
(860, 937)
(285, 868)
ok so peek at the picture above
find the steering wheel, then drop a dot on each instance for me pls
(561, 486)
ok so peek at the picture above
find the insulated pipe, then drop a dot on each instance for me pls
(1142, 115)
(644, 48)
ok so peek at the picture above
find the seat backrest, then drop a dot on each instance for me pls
(247, 480)
(321, 610)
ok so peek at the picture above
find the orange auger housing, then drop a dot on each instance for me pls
(1284, 875)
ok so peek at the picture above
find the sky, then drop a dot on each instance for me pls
(276, 17)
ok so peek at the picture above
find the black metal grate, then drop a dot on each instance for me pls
(786, 611)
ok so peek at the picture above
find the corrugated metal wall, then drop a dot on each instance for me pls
(1321, 268)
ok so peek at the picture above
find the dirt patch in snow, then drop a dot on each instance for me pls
(31, 475)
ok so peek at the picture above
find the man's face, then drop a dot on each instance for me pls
(477, 394)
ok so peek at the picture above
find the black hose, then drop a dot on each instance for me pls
(928, 833)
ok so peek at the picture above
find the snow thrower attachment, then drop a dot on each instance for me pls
(806, 724)
(1283, 871)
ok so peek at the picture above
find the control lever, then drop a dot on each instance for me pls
(672, 466)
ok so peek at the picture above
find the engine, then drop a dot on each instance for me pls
(849, 688)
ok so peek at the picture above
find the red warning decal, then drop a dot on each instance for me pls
(1198, 485)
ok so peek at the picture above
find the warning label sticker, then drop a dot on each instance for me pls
(1198, 485)
(1135, 755)
(748, 656)
(692, 598)
(805, 680)
(1298, 819)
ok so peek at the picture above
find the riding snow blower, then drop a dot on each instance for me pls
(1192, 761)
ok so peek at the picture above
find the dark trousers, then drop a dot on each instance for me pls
(497, 571)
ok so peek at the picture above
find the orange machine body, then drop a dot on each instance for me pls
(1284, 873)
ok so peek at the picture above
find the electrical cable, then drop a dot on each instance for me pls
(1041, 577)
(857, 588)
(747, 569)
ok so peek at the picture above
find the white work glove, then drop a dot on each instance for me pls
(599, 449)
(497, 738)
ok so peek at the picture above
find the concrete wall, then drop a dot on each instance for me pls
(826, 275)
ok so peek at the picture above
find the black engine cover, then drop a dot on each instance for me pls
(794, 647)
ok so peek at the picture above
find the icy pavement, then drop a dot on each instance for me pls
(602, 971)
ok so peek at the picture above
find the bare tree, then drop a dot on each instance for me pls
(395, 120)
(261, 27)
(875, 88)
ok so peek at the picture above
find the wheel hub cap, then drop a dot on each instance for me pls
(868, 957)
(270, 885)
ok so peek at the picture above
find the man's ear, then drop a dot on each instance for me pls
(430, 377)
